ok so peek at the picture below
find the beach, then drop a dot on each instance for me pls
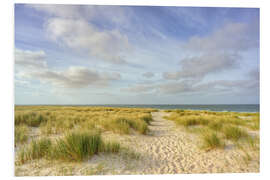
(166, 148)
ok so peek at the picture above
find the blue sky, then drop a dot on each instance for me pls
(84, 54)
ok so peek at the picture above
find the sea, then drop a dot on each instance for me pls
(211, 107)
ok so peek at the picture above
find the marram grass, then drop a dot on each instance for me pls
(32, 119)
(234, 133)
(75, 126)
(216, 127)
(74, 146)
(35, 150)
(58, 120)
(21, 134)
(212, 141)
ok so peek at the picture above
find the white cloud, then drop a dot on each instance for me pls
(231, 37)
(32, 65)
(216, 52)
(195, 87)
(84, 37)
(113, 14)
(30, 59)
(73, 77)
(72, 26)
(200, 66)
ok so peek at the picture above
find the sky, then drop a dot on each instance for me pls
(85, 54)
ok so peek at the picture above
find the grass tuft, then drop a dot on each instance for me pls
(76, 146)
(36, 150)
(216, 125)
(234, 133)
(212, 141)
(21, 134)
(147, 118)
(111, 147)
(32, 119)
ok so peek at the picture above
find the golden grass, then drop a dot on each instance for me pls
(57, 119)
(74, 146)
(55, 127)
(35, 150)
(21, 134)
(216, 127)
(234, 133)
(212, 141)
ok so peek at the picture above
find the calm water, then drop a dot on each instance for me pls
(217, 107)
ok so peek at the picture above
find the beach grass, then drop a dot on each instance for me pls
(21, 134)
(212, 141)
(234, 133)
(74, 146)
(214, 128)
(58, 120)
(35, 150)
(70, 133)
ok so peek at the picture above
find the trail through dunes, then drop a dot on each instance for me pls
(167, 149)
(170, 150)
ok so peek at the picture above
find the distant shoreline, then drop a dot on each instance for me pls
(248, 108)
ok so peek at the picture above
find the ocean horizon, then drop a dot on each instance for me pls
(208, 107)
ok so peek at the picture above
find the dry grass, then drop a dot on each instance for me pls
(212, 141)
(21, 134)
(35, 150)
(215, 127)
(74, 146)
(74, 133)
(58, 120)
(234, 133)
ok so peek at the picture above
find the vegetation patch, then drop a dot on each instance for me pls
(234, 133)
(74, 146)
(35, 150)
(212, 141)
(214, 127)
(77, 146)
(21, 134)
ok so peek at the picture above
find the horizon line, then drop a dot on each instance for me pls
(125, 104)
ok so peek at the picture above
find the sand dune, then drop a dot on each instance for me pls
(166, 150)
(170, 149)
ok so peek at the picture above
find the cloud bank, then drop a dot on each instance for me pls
(69, 26)
(34, 67)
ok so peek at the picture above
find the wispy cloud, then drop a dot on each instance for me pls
(33, 65)
(72, 27)
(32, 59)
(216, 52)
(73, 77)
(200, 66)
(84, 37)
(231, 37)
(192, 87)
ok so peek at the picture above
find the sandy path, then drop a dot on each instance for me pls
(163, 147)
(170, 150)
(165, 150)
